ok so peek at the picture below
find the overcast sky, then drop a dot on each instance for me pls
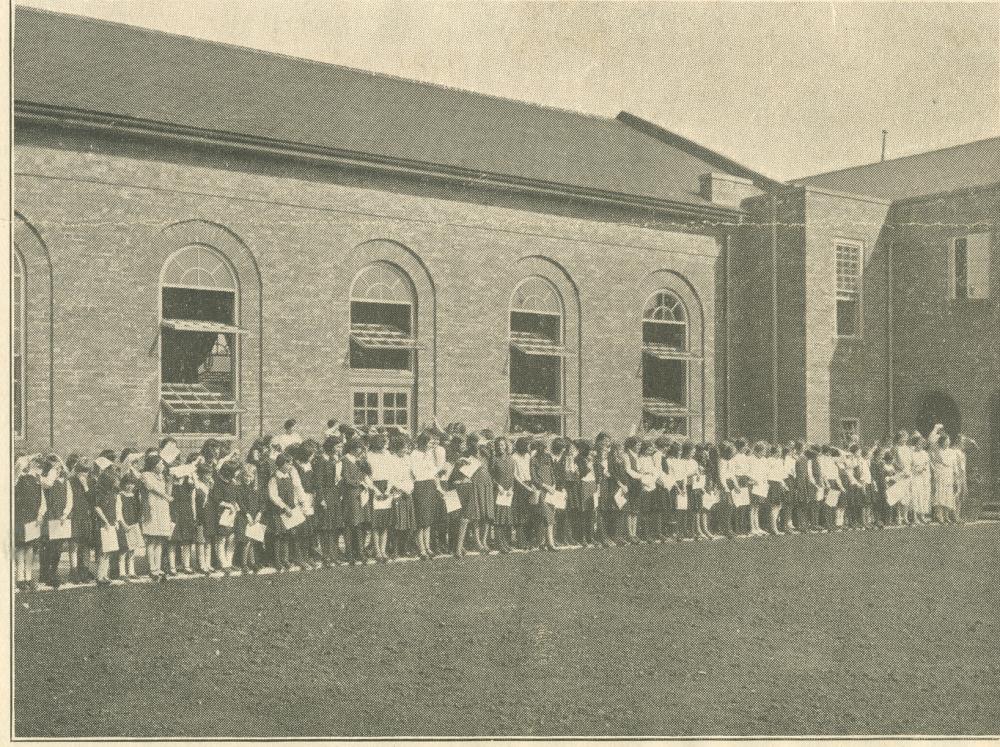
(789, 89)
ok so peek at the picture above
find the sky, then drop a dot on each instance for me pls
(788, 89)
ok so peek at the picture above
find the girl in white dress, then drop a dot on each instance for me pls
(156, 524)
(944, 464)
(921, 485)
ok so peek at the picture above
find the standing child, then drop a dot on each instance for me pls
(82, 518)
(205, 528)
(107, 515)
(156, 524)
(525, 497)
(405, 519)
(130, 516)
(356, 503)
(589, 525)
(29, 512)
(224, 505)
(248, 496)
(484, 495)
(328, 521)
(59, 500)
(543, 481)
(183, 512)
(502, 472)
(573, 531)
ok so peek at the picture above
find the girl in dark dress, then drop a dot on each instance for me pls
(281, 502)
(205, 529)
(558, 451)
(502, 474)
(131, 516)
(82, 518)
(224, 505)
(107, 516)
(328, 521)
(356, 501)
(484, 495)
(629, 469)
(29, 508)
(426, 490)
(305, 533)
(607, 507)
(183, 511)
(462, 485)
(585, 530)
(59, 500)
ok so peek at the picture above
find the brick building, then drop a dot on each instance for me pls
(209, 239)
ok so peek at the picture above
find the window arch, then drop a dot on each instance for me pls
(383, 346)
(199, 347)
(18, 339)
(536, 357)
(201, 268)
(666, 364)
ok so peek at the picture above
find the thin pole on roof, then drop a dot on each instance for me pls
(885, 133)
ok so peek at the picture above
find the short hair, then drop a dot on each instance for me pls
(290, 423)
(330, 443)
(151, 461)
(228, 470)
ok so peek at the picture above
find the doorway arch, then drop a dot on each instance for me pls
(938, 407)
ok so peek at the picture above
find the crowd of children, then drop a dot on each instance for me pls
(359, 497)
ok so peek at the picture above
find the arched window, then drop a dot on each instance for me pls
(199, 350)
(665, 364)
(383, 346)
(536, 358)
(17, 342)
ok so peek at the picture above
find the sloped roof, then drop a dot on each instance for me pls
(968, 165)
(77, 63)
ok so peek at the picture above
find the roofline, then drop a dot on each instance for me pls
(700, 151)
(26, 111)
(894, 160)
(988, 187)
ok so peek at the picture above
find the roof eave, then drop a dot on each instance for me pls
(27, 111)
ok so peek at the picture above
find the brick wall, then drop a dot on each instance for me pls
(110, 214)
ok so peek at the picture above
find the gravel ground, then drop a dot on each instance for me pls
(880, 632)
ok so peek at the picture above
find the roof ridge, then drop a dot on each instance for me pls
(372, 73)
(896, 159)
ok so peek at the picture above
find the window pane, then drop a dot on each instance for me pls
(665, 380)
(359, 399)
(371, 400)
(372, 417)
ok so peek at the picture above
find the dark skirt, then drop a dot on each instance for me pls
(327, 518)
(574, 495)
(221, 531)
(425, 503)
(521, 506)
(405, 517)
(633, 506)
(382, 519)
(185, 526)
(354, 514)
(131, 511)
(19, 536)
(696, 499)
(544, 512)
(82, 523)
(588, 493)
(483, 496)
(777, 494)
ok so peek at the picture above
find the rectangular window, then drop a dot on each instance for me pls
(970, 266)
(849, 268)
(850, 431)
(381, 407)
(381, 336)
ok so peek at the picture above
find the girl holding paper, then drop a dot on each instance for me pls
(572, 531)
(944, 468)
(183, 512)
(759, 486)
(81, 517)
(224, 504)
(59, 500)
(587, 529)
(502, 472)
(107, 515)
(356, 503)
(426, 491)
(629, 465)
(727, 489)
(329, 523)
(404, 519)
(525, 497)
(29, 511)
(305, 533)
(648, 510)
(156, 524)
(249, 514)
(921, 486)
(543, 482)
(281, 493)
(483, 495)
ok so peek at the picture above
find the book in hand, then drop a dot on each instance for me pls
(32, 531)
(60, 529)
(896, 492)
(471, 467)
(832, 496)
(709, 499)
(227, 518)
(505, 498)
(682, 500)
(452, 502)
(256, 531)
(557, 499)
(134, 540)
(741, 497)
(109, 539)
(293, 518)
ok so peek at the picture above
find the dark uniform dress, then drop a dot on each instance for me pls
(483, 493)
(353, 488)
(635, 491)
(223, 491)
(502, 473)
(249, 501)
(285, 484)
(82, 516)
(105, 494)
(27, 502)
(463, 486)
(182, 512)
(327, 497)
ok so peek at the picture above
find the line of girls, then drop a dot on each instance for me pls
(377, 497)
